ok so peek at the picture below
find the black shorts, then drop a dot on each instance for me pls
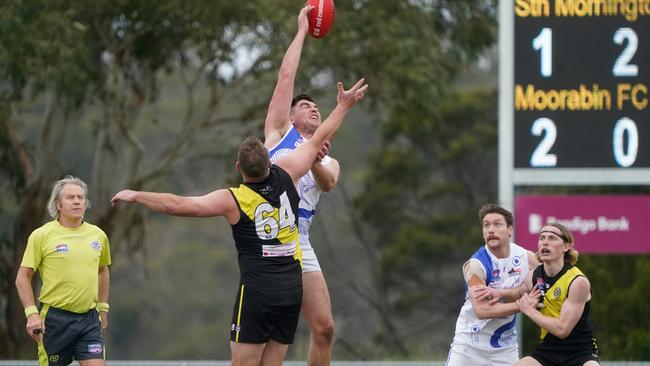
(549, 355)
(261, 314)
(69, 335)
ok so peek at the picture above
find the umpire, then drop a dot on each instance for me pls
(72, 257)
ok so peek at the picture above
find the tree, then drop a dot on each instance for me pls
(419, 216)
(103, 80)
(94, 69)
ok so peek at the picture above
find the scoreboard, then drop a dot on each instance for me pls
(576, 81)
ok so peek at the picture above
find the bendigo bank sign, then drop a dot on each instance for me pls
(600, 224)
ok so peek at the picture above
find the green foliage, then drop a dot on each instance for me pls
(172, 291)
(421, 199)
(618, 285)
(129, 93)
(79, 91)
(44, 46)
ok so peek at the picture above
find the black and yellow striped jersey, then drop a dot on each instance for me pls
(266, 235)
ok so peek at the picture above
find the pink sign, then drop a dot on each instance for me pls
(600, 224)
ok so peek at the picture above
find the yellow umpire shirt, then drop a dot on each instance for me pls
(68, 260)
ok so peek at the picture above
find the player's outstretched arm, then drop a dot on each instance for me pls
(300, 160)
(278, 118)
(217, 203)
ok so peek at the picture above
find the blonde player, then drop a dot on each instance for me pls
(566, 336)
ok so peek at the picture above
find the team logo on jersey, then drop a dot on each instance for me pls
(516, 261)
(496, 275)
(62, 248)
(556, 293)
(54, 358)
(476, 339)
(96, 245)
(95, 348)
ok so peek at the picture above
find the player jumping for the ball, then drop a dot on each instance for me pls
(289, 122)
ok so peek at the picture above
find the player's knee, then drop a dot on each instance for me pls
(324, 330)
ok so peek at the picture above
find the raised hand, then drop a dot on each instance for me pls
(303, 21)
(353, 95)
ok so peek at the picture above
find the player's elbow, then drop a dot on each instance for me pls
(168, 209)
(285, 74)
(327, 185)
(563, 332)
(175, 207)
(22, 278)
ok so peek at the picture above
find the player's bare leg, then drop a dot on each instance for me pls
(317, 310)
(97, 362)
(246, 354)
(528, 361)
(274, 353)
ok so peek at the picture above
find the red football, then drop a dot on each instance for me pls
(320, 17)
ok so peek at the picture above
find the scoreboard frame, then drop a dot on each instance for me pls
(543, 80)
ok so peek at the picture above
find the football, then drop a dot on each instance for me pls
(320, 17)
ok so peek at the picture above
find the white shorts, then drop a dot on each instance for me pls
(466, 355)
(309, 260)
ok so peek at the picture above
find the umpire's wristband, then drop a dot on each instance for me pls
(103, 307)
(30, 310)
